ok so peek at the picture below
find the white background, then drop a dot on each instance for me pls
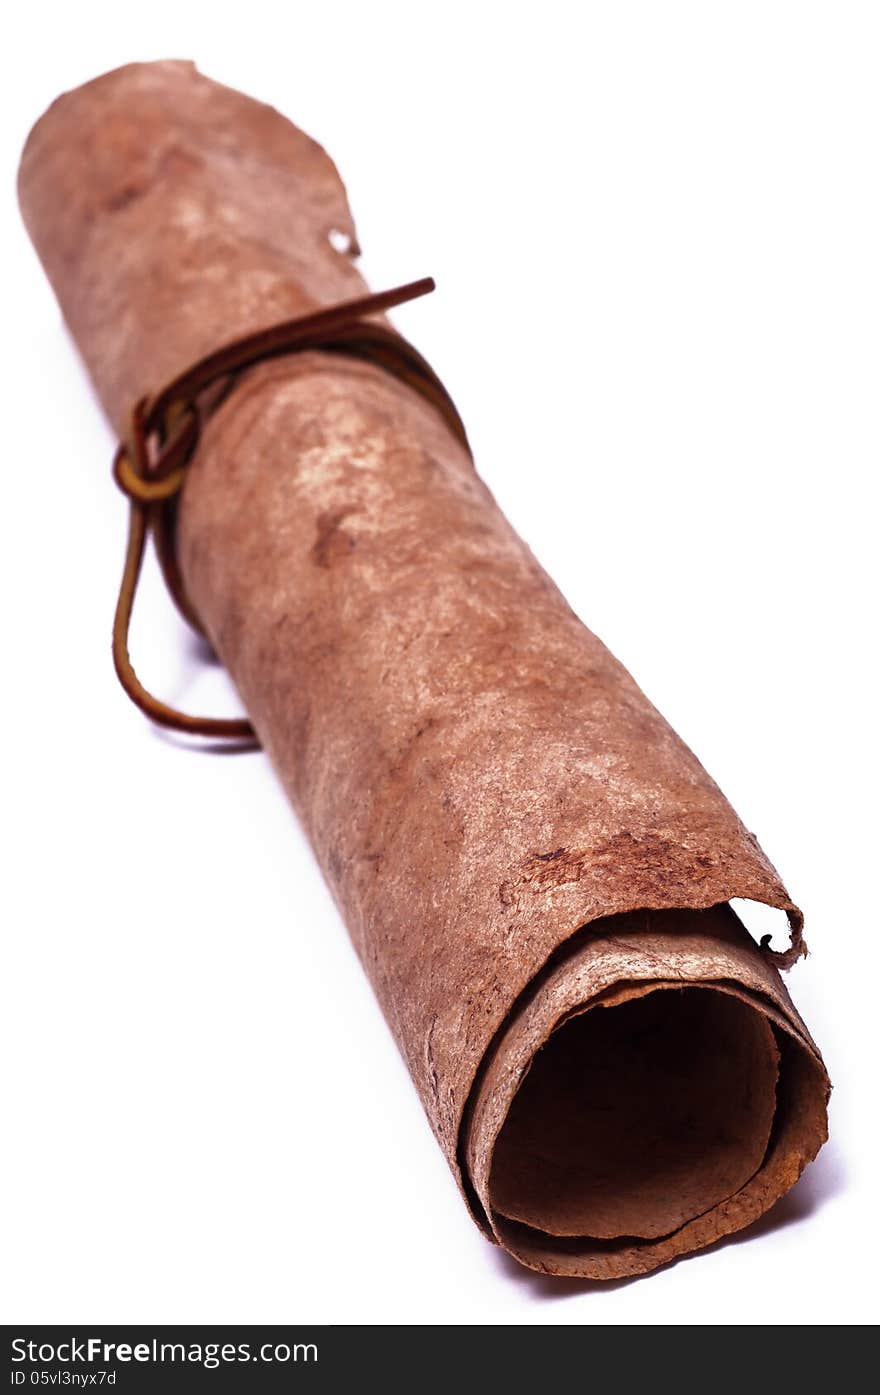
(656, 234)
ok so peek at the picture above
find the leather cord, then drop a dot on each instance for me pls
(150, 466)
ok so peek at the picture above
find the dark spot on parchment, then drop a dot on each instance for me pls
(332, 543)
(506, 894)
(554, 868)
(649, 861)
(123, 197)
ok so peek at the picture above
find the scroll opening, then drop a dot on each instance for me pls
(634, 1119)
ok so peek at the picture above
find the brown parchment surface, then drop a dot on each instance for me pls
(513, 834)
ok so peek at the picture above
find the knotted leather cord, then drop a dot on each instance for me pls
(150, 467)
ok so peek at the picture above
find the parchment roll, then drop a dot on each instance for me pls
(533, 868)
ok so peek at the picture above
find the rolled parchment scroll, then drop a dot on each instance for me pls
(532, 866)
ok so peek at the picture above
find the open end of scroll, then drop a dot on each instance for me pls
(637, 1118)
(651, 1091)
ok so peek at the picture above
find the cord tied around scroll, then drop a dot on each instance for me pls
(150, 466)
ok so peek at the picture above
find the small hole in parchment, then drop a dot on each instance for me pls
(341, 242)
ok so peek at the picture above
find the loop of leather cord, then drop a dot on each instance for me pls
(150, 467)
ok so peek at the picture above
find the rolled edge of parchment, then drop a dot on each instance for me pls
(532, 866)
(661, 1048)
